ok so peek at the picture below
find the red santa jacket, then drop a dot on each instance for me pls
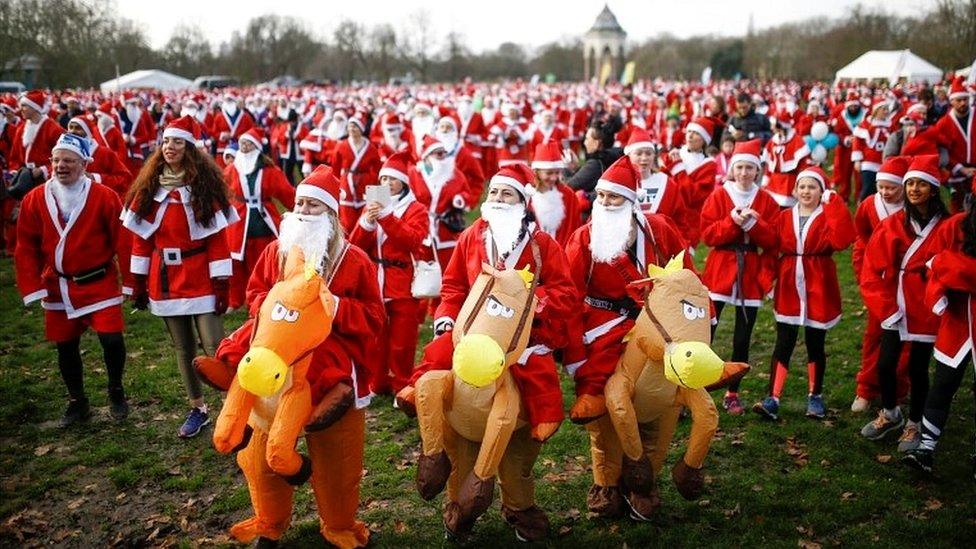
(346, 355)
(785, 156)
(285, 140)
(870, 213)
(108, 169)
(540, 136)
(807, 292)
(271, 184)
(556, 292)
(730, 241)
(52, 252)
(139, 135)
(695, 175)
(657, 242)
(234, 128)
(356, 169)
(37, 153)
(869, 141)
(510, 140)
(439, 201)
(113, 138)
(317, 149)
(559, 219)
(662, 195)
(179, 255)
(950, 290)
(894, 275)
(471, 168)
(925, 141)
(960, 141)
(393, 242)
(472, 133)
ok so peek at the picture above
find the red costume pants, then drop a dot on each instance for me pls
(843, 171)
(601, 360)
(253, 247)
(59, 328)
(397, 346)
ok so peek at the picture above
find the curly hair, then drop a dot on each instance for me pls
(209, 192)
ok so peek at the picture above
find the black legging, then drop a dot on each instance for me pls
(786, 335)
(288, 166)
(70, 365)
(918, 372)
(745, 321)
(945, 383)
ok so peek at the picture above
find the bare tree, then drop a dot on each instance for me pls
(418, 43)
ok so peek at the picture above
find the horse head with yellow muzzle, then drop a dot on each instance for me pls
(470, 417)
(270, 391)
(668, 364)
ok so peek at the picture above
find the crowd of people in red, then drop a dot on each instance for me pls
(175, 200)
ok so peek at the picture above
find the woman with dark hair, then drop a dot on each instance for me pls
(893, 283)
(950, 291)
(600, 154)
(178, 209)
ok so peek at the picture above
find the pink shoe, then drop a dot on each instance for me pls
(732, 404)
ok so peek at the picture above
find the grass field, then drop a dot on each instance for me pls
(797, 482)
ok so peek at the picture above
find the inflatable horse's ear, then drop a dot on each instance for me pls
(638, 290)
(675, 264)
(294, 263)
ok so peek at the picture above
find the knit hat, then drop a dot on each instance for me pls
(893, 169)
(926, 168)
(322, 185)
(622, 177)
(75, 144)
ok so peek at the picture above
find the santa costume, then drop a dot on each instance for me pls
(557, 208)
(843, 122)
(660, 194)
(357, 165)
(229, 124)
(138, 130)
(957, 133)
(786, 155)
(694, 171)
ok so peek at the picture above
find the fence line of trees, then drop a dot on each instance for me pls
(80, 43)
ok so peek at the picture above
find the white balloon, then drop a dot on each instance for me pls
(818, 154)
(819, 131)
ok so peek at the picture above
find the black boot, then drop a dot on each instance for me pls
(118, 405)
(77, 412)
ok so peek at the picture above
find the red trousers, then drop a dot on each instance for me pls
(843, 172)
(602, 356)
(868, 386)
(59, 328)
(397, 346)
(253, 247)
(537, 379)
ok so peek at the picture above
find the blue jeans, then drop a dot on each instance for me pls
(869, 184)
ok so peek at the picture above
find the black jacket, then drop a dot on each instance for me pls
(589, 173)
(753, 125)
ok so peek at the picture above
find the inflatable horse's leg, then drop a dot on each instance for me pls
(636, 472)
(517, 484)
(687, 473)
(271, 496)
(463, 454)
(229, 433)
(433, 393)
(478, 487)
(294, 410)
(606, 453)
(337, 468)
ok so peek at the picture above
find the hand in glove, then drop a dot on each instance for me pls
(140, 293)
(458, 202)
(442, 325)
(221, 288)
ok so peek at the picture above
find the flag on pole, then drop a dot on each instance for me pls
(605, 72)
(899, 67)
(627, 77)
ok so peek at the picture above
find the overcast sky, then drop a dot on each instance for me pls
(527, 22)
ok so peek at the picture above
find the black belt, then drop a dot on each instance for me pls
(624, 307)
(163, 272)
(89, 276)
(740, 247)
(392, 263)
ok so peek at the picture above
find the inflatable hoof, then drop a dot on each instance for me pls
(432, 474)
(530, 524)
(303, 474)
(588, 408)
(689, 481)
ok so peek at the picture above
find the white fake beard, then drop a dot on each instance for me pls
(336, 130)
(392, 139)
(441, 172)
(465, 110)
(421, 126)
(448, 139)
(229, 107)
(611, 231)
(189, 111)
(30, 132)
(105, 122)
(488, 113)
(311, 233)
(245, 162)
(133, 112)
(690, 159)
(549, 210)
(505, 222)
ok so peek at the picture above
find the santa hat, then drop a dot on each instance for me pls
(35, 99)
(926, 168)
(703, 127)
(358, 121)
(392, 121)
(958, 89)
(640, 139)
(105, 108)
(255, 136)
(396, 166)
(893, 169)
(622, 177)
(853, 98)
(185, 127)
(130, 97)
(516, 176)
(816, 172)
(747, 151)
(548, 156)
(449, 119)
(75, 144)
(8, 103)
(784, 120)
(322, 185)
(431, 144)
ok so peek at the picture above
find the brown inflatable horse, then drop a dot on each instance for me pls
(470, 416)
(666, 365)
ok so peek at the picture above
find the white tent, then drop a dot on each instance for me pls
(890, 65)
(146, 79)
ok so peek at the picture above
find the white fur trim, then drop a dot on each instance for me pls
(604, 185)
(890, 178)
(34, 296)
(139, 265)
(697, 128)
(638, 145)
(813, 174)
(181, 134)
(924, 176)
(750, 158)
(220, 267)
(311, 191)
(511, 182)
(396, 174)
(548, 165)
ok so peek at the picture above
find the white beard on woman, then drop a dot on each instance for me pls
(611, 231)
(245, 162)
(311, 233)
(549, 210)
(441, 171)
(505, 223)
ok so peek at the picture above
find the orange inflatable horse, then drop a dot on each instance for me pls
(269, 404)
